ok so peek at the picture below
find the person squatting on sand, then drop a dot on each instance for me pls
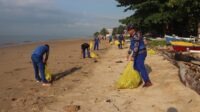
(39, 63)
(139, 53)
(85, 48)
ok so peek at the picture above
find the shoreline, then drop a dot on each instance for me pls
(27, 42)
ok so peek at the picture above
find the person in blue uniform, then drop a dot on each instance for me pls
(139, 53)
(85, 48)
(110, 38)
(96, 43)
(39, 63)
(120, 39)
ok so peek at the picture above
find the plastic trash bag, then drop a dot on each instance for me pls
(151, 52)
(48, 75)
(117, 42)
(129, 79)
(122, 42)
(93, 55)
(91, 45)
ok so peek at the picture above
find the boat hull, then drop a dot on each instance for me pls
(169, 39)
(185, 48)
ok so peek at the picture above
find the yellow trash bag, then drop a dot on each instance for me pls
(117, 42)
(91, 45)
(122, 42)
(93, 55)
(48, 75)
(129, 79)
(151, 52)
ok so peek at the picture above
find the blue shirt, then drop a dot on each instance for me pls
(110, 37)
(121, 37)
(41, 50)
(96, 40)
(137, 44)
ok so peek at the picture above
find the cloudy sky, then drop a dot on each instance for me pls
(26, 19)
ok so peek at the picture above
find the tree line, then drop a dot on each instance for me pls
(180, 17)
(103, 32)
(116, 30)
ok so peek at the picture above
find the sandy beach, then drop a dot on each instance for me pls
(17, 81)
(83, 85)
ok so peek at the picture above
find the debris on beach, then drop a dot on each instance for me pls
(108, 100)
(190, 75)
(119, 61)
(95, 60)
(189, 67)
(72, 108)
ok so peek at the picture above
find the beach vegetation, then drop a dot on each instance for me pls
(154, 43)
(96, 34)
(104, 31)
(180, 17)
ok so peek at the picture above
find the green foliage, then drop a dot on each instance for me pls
(115, 30)
(153, 43)
(96, 34)
(163, 16)
(104, 31)
(118, 30)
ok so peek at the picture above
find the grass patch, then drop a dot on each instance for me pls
(154, 43)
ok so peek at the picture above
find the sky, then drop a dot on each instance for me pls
(50, 19)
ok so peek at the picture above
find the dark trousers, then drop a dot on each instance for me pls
(84, 52)
(38, 66)
(96, 45)
(140, 67)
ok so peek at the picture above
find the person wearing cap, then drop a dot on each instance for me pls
(139, 53)
(85, 48)
(39, 63)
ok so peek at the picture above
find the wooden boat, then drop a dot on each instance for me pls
(184, 46)
(170, 38)
(185, 39)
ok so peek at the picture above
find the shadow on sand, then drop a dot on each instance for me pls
(58, 76)
(172, 109)
(148, 68)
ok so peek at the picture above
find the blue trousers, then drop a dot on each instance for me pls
(38, 66)
(140, 67)
(84, 53)
(96, 45)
